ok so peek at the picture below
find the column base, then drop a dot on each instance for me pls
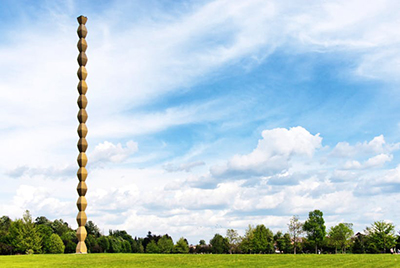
(81, 248)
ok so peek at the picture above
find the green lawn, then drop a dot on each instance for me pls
(159, 260)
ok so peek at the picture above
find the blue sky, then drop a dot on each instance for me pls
(203, 115)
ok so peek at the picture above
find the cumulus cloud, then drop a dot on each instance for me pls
(376, 145)
(40, 200)
(392, 176)
(272, 154)
(373, 162)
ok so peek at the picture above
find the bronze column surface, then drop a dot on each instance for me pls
(82, 132)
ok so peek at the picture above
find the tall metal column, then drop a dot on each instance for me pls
(82, 132)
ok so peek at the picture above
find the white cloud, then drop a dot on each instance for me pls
(273, 152)
(379, 160)
(392, 176)
(377, 145)
(109, 152)
(373, 162)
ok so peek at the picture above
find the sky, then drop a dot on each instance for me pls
(203, 115)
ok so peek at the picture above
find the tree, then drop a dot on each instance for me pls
(5, 246)
(246, 242)
(263, 240)
(340, 236)
(91, 243)
(25, 235)
(315, 228)
(152, 247)
(116, 244)
(283, 242)
(165, 244)
(359, 244)
(92, 229)
(45, 233)
(60, 227)
(5, 223)
(149, 238)
(287, 243)
(219, 244)
(233, 240)
(295, 230)
(382, 235)
(70, 240)
(181, 246)
(42, 220)
(137, 246)
(56, 245)
(104, 243)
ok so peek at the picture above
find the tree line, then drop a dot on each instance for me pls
(28, 236)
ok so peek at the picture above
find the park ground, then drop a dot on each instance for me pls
(191, 260)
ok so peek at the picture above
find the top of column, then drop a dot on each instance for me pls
(82, 19)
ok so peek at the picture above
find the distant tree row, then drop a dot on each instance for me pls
(25, 236)
(380, 237)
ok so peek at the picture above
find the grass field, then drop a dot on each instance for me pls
(159, 260)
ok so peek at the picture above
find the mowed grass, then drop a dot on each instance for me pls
(160, 260)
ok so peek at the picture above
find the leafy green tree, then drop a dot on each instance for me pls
(340, 236)
(149, 238)
(45, 233)
(382, 235)
(315, 228)
(123, 234)
(5, 245)
(104, 244)
(5, 223)
(181, 246)
(295, 230)
(152, 247)
(233, 240)
(245, 245)
(92, 229)
(56, 245)
(141, 248)
(115, 244)
(24, 235)
(283, 242)
(70, 241)
(91, 243)
(165, 244)
(202, 247)
(126, 247)
(263, 240)
(137, 246)
(42, 220)
(287, 243)
(278, 240)
(358, 245)
(219, 244)
(60, 227)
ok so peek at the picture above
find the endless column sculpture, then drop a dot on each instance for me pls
(82, 132)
